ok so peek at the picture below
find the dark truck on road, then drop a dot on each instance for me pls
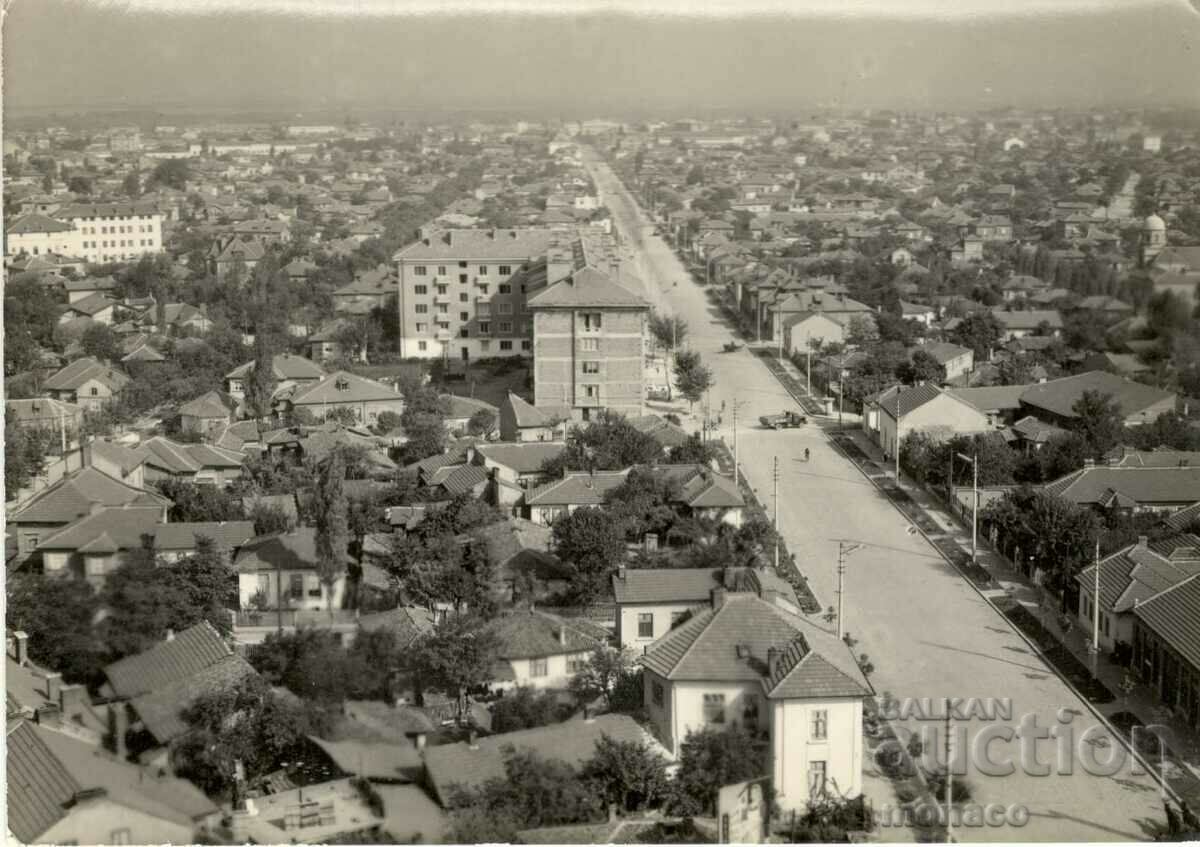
(784, 420)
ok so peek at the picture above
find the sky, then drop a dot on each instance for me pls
(593, 57)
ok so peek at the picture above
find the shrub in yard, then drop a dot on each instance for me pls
(960, 789)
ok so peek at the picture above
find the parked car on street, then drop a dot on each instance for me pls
(784, 420)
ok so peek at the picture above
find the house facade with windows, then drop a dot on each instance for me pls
(589, 341)
(365, 398)
(747, 662)
(282, 569)
(540, 650)
(97, 232)
(86, 382)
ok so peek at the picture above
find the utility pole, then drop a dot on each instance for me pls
(808, 371)
(1096, 603)
(845, 548)
(775, 522)
(949, 778)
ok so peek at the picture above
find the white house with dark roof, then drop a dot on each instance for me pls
(520, 420)
(540, 650)
(87, 382)
(365, 398)
(746, 661)
(903, 409)
(285, 367)
(575, 490)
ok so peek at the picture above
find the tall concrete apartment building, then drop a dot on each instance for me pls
(462, 293)
(589, 342)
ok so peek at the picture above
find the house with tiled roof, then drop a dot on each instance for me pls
(73, 498)
(86, 382)
(1054, 400)
(285, 368)
(1129, 577)
(237, 254)
(902, 409)
(199, 463)
(1130, 488)
(1185, 520)
(519, 553)
(93, 547)
(1019, 323)
(97, 307)
(653, 601)
(174, 541)
(63, 790)
(41, 695)
(540, 650)
(520, 420)
(282, 568)
(575, 490)
(746, 661)
(365, 398)
(208, 413)
(44, 413)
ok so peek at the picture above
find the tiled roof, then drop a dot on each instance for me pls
(524, 458)
(1039, 432)
(167, 662)
(700, 487)
(182, 536)
(731, 642)
(72, 498)
(943, 352)
(1138, 572)
(342, 387)
(1028, 319)
(665, 585)
(118, 454)
(107, 531)
(587, 287)
(51, 768)
(1102, 485)
(1124, 457)
(1184, 518)
(994, 398)
(901, 400)
(479, 244)
(661, 430)
(93, 304)
(579, 488)
(85, 210)
(572, 742)
(283, 366)
(531, 633)
(1175, 616)
(213, 404)
(37, 223)
(528, 415)
(463, 479)
(1058, 396)
(41, 410)
(464, 407)
(408, 622)
(80, 371)
(161, 708)
(289, 551)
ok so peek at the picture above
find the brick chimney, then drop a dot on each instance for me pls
(562, 636)
(773, 654)
(118, 725)
(54, 685)
(18, 647)
(72, 699)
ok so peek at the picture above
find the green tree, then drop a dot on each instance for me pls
(100, 341)
(668, 331)
(25, 454)
(332, 523)
(312, 664)
(30, 318)
(482, 423)
(609, 442)
(922, 368)
(627, 773)
(709, 759)
(57, 616)
(1098, 418)
(643, 503)
(592, 542)
(424, 422)
(526, 708)
(600, 675)
(456, 658)
(981, 331)
(172, 173)
(132, 185)
(1056, 534)
(692, 376)
(193, 502)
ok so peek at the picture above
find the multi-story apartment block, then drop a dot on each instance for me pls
(97, 232)
(462, 293)
(589, 339)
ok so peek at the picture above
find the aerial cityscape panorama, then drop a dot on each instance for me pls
(556, 423)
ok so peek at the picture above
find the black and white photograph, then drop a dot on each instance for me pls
(601, 421)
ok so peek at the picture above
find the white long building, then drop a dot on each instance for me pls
(97, 232)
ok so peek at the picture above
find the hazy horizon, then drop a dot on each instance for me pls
(73, 55)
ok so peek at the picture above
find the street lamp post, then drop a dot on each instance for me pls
(844, 550)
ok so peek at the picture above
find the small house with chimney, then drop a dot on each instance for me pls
(540, 650)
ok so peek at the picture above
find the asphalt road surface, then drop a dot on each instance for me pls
(925, 629)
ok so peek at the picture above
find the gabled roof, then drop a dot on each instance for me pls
(700, 487)
(526, 415)
(212, 404)
(1140, 571)
(283, 366)
(42, 410)
(177, 458)
(667, 434)
(995, 398)
(72, 497)
(288, 551)
(1174, 615)
(943, 351)
(730, 643)
(342, 387)
(584, 288)
(1028, 319)
(161, 709)
(901, 400)
(579, 488)
(82, 370)
(479, 244)
(462, 479)
(47, 770)
(1058, 396)
(125, 458)
(37, 223)
(182, 536)
(91, 305)
(665, 585)
(167, 662)
(1038, 432)
(1103, 486)
(1184, 518)
(522, 457)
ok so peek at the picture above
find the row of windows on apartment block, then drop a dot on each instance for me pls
(423, 270)
(484, 288)
(144, 242)
(716, 712)
(116, 230)
(484, 346)
(481, 308)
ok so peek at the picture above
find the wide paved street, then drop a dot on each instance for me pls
(926, 630)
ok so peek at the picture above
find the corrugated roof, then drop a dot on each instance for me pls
(167, 662)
